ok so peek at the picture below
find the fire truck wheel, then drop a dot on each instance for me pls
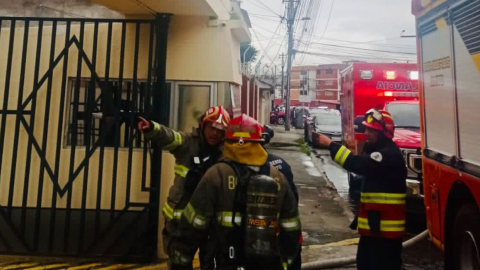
(466, 238)
(281, 121)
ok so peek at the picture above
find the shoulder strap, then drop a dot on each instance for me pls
(239, 202)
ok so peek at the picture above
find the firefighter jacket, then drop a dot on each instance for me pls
(383, 192)
(210, 211)
(190, 153)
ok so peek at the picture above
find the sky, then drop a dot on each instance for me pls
(338, 30)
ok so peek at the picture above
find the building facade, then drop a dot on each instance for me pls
(314, 86)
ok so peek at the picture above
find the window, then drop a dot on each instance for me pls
(111, 119)
(304, 92)
(193, 100)
(229, 96)
(328, 93)
(319, 71)
(303, 72)
(329, 83)
(329, 71)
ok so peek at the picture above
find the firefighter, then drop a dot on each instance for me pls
(246, 207)
(279, 162)
(381, 216)
(281, 165)
(194, 153)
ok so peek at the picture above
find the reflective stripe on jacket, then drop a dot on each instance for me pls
(383, 193)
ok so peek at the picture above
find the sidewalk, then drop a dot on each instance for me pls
(325, 215)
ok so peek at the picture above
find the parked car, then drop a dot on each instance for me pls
(329, 124)
(310, 121)
(277, 117)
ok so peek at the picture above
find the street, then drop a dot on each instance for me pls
(326, 207)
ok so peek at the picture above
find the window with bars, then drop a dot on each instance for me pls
(329, 71)
(106, 115)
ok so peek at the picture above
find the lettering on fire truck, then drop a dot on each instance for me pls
(381, 85)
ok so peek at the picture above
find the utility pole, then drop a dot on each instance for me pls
(283, 65)
(290, 21)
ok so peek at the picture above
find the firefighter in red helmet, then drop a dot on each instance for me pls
(381, 215)
(194, 153)
(244, 205)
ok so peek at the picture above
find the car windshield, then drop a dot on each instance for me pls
(328, 120)
(405, 115)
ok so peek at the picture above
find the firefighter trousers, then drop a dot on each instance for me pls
(376, 253)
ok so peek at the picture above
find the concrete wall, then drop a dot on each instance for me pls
(197, 52)
(55, 8)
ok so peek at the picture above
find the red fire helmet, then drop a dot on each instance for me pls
(380, 120)
(218, 116)
(244, 129)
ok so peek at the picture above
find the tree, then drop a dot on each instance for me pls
(251, 54)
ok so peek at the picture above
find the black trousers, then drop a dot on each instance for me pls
(297, 263)
(376, 253)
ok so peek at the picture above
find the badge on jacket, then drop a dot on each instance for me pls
(377, 156)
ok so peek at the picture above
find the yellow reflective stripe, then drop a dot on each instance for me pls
(177, 141)
(181, 170)
(290, 224)
(241, 134)
(177, 213)
(156, 126)
(168, 211)
(225, 219)
(385, 225)
(285, 266)
(171, 213)
(181, 259)
(196, 220)
(383, 198)
(342, 155)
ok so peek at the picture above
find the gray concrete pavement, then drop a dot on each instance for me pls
(325, 215)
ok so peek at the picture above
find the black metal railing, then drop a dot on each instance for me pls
(73, 176)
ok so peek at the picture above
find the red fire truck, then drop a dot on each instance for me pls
(448, 44)
(392, 87)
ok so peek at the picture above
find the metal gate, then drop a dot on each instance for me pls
(76, 178)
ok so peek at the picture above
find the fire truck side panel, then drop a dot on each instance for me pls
(439, 88)
(468, 96)
(449, 57)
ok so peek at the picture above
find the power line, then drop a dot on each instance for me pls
(266, 19)
(362, 49)
(350, 56)
(269, 9)
(328, 20)
(262, 15)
